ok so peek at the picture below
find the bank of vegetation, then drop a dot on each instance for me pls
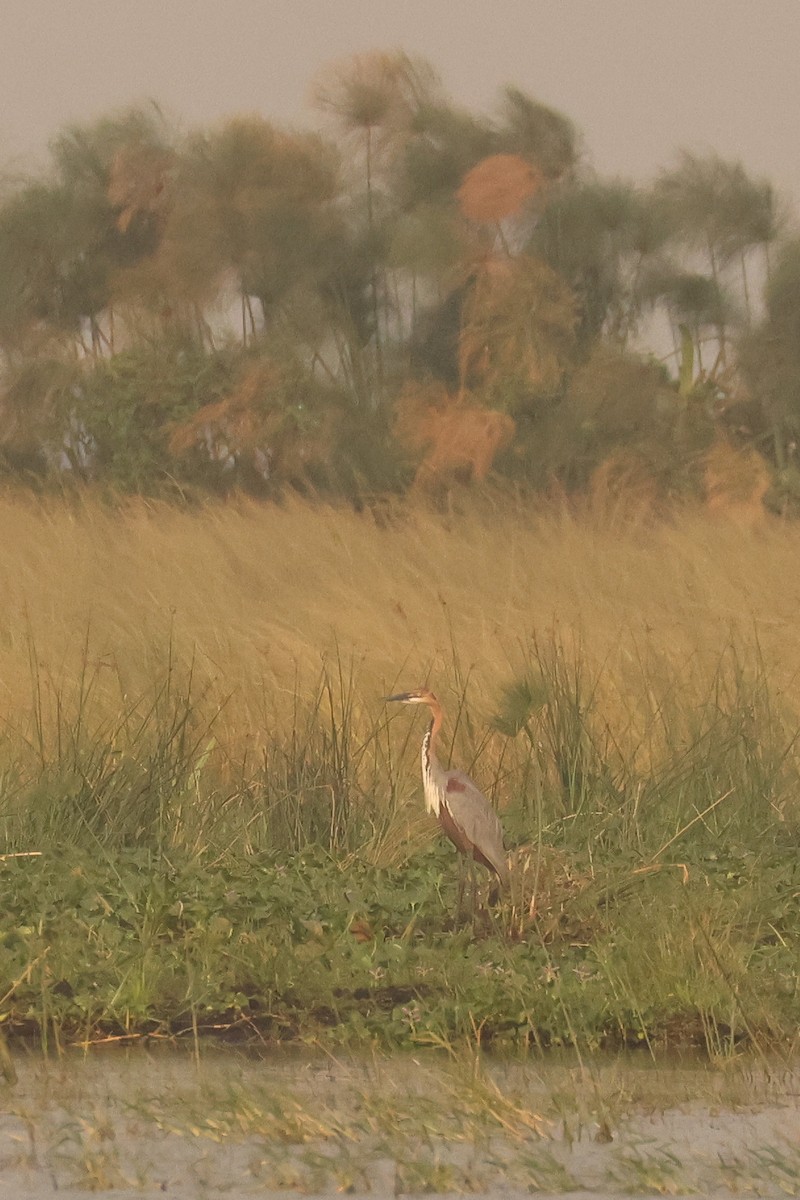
(253, 308)
(210, 821)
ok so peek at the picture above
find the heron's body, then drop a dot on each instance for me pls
(463, 812)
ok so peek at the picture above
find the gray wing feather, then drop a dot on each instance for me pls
(473, 812)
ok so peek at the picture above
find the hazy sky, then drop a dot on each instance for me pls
(640, 78)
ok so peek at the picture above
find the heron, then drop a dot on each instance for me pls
(461, 808)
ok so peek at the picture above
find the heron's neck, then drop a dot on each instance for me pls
(433, 777)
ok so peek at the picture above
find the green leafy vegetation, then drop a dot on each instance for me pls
(306, 947)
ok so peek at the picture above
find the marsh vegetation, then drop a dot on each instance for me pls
(211, 822)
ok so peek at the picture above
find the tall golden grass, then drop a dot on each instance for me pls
(258, 596)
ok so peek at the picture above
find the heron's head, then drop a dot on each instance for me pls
(422, 696)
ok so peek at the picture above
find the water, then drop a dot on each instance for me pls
(159, 1120)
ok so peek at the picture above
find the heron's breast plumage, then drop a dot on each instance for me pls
(430, 785)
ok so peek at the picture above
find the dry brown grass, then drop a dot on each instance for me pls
(259, 595)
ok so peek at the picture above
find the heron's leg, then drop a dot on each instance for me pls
(473, 880)
(492, 900)
(461, 882)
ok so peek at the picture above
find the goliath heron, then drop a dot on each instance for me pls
(463, 812)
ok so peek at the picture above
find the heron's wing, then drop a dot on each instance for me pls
(474, 815)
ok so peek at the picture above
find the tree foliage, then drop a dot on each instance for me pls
(242, 306)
